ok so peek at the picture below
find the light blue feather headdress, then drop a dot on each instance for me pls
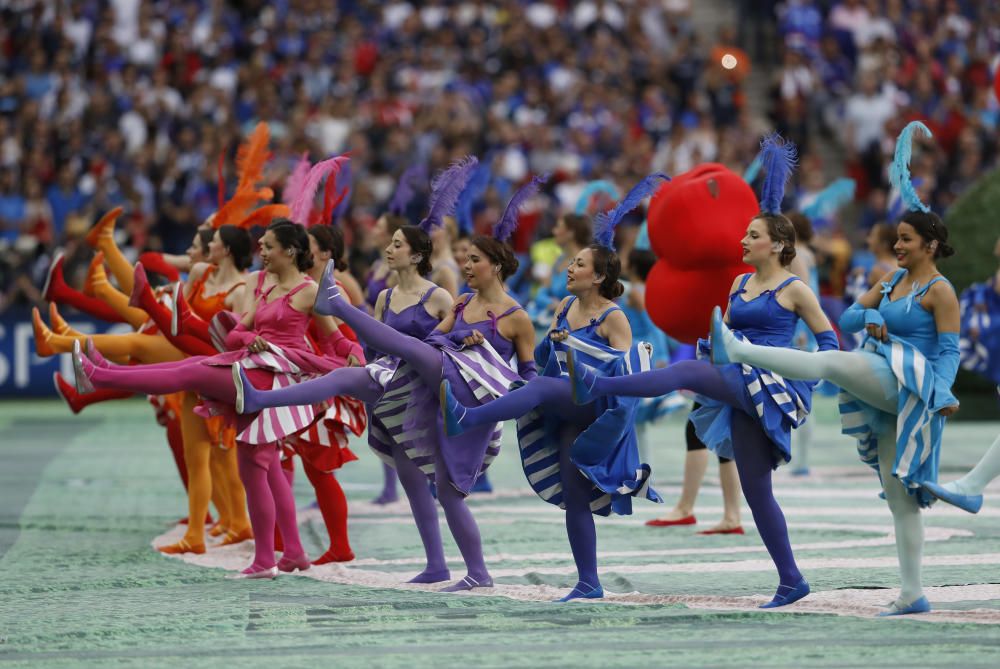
(831, 198)
(899, 171)
(777, 159)
(605, 223)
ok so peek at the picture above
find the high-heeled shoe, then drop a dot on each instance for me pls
(333, 556)
(96, 276)
(269, 573)
(786, 595)
(919, 605)
(717, 339)
(140, 284)
(182, 546)
(95, 356)
(583, 591)
(468, 583)
(43, 349)
(970, 503)
(53, 278)
(247, 397)
(581, 378)
(178, 299)
(329, 299)
(452, 411)
(82, 369)
(291, 564)
(233, 537)
(105, 227)
(431, 576)
(58, 323)
(217, 530)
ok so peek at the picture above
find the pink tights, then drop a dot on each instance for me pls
(270, 502)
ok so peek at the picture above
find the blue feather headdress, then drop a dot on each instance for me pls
(899, 171)
(477, 185)
(777, 159)
(600, 187)
(831, 198)
(605, 223)
(507, 224)
(445, 189)
(409, 181)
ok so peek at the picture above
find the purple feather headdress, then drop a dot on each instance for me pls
(409, 181)
(777, 158)
(445, 189)
(605, 223)
(508, 221)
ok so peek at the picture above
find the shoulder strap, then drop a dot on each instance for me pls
(600, 319)
(235, 286)
(298, 288)
(562, 314)
(784, 283)
(260, 283)
(930, 283)
(510, 311)
(426, 295)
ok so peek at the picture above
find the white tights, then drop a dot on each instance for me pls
(906, 518)
(985, 471)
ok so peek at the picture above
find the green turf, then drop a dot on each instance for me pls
(82, 497)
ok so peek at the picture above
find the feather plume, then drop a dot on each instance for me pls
(475, 189)
(507, 224)
(445, 189)
(252, 155)
(831, 198)
(343, 199)
(263, 216)
(296, 180)
(899, 171)
(593, 189)
(606, 222)
(752, 171)
(777, 158)
(302, 207)
(236, 208)
(409, 181)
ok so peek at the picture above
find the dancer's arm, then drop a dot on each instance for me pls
(806, 306)
(194, 276)
(864, 314)
(942, 302)
(617, 331)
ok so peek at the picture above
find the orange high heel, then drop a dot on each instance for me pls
(182, 546)
(233, 537)
(104, 227)
(42, 334)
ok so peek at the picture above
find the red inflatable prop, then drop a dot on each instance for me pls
(696, 222)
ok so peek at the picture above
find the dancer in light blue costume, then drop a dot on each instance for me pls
(582, 459)
(980, 352)
(758, 407)
(897, 390)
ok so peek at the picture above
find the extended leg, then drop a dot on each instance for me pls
(424, 510)
(103, 290)
(552, 394)
(987, 469)
(351, 381)
(697, 376)
(189, 375)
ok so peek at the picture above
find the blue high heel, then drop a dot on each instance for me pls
(920, 605)
(716, 339)
(328, 297)
(452, 411)
(581, 379)
(247, 400)
(791, 595)
(579, 593)
(970, 503)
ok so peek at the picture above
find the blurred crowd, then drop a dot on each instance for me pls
(133, 102)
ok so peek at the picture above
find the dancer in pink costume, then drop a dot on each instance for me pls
(270, 343)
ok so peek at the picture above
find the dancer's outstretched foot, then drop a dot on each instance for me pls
(721, 339)
(182, 546)
(469, 583)
(948, 492)
(54, 278)
(140, 284)
(431, 576)
(296, 563)
(252, 572)
(329, 300)
(582, 379)
(178, 297)
(248, 398)
(67, 392)
(583, 590)
(42, 335)
(787, 594)
(59, 324)
(452, 411)
(897, 608)
(82, 369)
(104, 228)
(96, 276)
(95, 356)
(236, 536)
(333, 556)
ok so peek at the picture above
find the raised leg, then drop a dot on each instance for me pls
(980, 476)
(351, 381)
(698, 376)
(552, 394)
(188, 375)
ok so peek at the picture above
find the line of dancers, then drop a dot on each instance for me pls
(442, 375)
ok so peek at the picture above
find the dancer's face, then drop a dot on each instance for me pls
(399, 254)
(460, 250)
(194, 252)
(478, 269)
(216, 249)
(757, 244)
(580, 275)
(911, 249)
(273, 255)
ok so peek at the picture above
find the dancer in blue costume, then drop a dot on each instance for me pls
(475, 347)
(897, 389)
(980, 353)
(584, 460)
(759, 408)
